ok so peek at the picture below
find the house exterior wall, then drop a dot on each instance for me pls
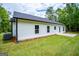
(26, 29)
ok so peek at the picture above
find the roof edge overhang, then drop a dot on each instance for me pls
(23, 16)
(14, 20)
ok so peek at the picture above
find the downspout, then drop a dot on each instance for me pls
(16, 30)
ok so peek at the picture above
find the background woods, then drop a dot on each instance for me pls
(69, 15)
(4, 20)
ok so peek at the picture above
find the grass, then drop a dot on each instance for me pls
(54, 45)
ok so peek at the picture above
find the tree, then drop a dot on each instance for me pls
(50, 13)
(4, 20)
(69, 16)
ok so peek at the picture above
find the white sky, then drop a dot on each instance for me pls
(37, 9)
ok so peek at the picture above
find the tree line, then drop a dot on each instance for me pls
(69, 15)
(4, 20)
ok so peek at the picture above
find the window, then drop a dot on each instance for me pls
(59, 29)
(36, 29)
(63, 28)
(48, 29)
(54, 27)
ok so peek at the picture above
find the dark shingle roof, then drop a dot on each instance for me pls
(31, 17)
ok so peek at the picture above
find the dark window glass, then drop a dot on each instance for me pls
(48, 29)
(63, 28)
(54, 27)
(59, 29)
(36, 29)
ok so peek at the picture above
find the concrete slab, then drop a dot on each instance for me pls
(67, 34)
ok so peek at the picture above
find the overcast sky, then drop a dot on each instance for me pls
(37, 9)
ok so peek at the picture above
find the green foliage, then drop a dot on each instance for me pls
(69, 16)
(4, 20)
(50, 13)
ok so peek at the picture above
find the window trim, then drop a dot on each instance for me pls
(36, 29)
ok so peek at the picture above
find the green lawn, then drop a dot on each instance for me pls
(54, 45)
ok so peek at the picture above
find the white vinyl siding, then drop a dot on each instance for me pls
(26, 30)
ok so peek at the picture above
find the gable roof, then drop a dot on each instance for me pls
(31, 17)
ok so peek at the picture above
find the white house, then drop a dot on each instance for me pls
(26, 26)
